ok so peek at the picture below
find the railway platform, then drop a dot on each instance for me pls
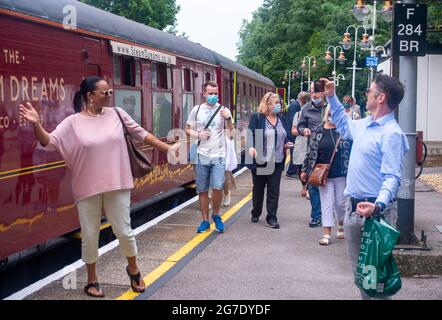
(249, 261)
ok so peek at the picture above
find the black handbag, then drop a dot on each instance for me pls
(139, 162)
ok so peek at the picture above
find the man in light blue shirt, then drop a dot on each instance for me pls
(376, 160)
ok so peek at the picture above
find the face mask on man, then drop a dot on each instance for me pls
(212, 99)
(346, 105)
(317, 102)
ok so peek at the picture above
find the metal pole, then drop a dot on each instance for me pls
(353, 82)
(288, 96)
(302, 79)
(372, 50)
(407, 121)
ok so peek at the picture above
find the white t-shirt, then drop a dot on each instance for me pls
(215, 146)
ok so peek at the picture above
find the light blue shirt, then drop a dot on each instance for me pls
(377, 155)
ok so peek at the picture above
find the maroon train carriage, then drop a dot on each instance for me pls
(156, 77)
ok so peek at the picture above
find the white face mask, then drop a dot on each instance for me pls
(317, 102)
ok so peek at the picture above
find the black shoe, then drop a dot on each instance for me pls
(315, 223)
(255, 219)
(272, 224)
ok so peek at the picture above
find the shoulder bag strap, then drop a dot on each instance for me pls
(210, 120)
(122, 122)
(334, 150)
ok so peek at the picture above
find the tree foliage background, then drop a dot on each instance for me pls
(282, 32)
(158, 14)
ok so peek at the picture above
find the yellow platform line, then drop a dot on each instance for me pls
(183, 251)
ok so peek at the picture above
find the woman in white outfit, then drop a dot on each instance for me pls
(333, 201)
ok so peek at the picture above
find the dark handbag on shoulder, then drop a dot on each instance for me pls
(319, 174)
(139, 163)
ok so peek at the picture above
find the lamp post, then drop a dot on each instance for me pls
(346, 43)
(338, 77)
(362, 13)
(305, 64)
(328, 59)
(289, 74)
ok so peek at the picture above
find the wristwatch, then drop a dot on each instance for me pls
(379, 207)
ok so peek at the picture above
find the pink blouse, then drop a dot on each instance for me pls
(95, 151)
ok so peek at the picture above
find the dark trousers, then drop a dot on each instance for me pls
(315, 201)
(272, 181)
(292, 169)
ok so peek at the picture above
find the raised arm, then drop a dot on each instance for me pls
(29, 113)
(339, 116)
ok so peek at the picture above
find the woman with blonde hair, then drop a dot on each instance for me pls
(333, 202)
(267, 143)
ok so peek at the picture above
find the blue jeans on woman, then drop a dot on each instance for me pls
(315, 202)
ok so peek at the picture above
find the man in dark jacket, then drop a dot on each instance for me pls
(311, 118)
(293, 108)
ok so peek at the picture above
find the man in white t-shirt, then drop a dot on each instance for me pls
(211, 154)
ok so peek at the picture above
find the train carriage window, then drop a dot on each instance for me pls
(138, 73)
(188, 103)
(161, 76)
(127, 71)
(162, 113)
(187, 80)
(117, 69)
(208, 76)
(130, 101)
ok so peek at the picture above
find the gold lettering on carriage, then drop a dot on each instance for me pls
(140, 52)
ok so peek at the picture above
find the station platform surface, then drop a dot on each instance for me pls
(248, 261)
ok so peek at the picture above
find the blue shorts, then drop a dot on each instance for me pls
(209, 173)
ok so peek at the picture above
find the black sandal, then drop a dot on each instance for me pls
(95, 285)
(137, 279)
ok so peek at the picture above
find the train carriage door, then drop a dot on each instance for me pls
(92, 56)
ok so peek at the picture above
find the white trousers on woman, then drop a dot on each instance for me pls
(333, 201)
(117, 209)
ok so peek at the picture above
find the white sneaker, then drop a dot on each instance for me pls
(226, 200)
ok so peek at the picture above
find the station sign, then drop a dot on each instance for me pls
(410, 29)
(371, 62)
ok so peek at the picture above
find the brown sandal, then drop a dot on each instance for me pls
(137, 279)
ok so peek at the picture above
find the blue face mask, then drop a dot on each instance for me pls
(212, 99)
(277, 108)
(346, 105)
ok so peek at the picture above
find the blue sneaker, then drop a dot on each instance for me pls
(219, 225)
(204, 226)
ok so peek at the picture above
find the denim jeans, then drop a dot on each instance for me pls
(315, 202)
(209, 173)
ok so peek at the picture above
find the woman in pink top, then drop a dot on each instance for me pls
(92, 144)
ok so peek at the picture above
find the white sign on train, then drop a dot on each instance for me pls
(140, 52)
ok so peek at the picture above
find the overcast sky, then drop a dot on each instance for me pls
(223, 18)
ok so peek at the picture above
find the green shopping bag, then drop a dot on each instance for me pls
(377, 273)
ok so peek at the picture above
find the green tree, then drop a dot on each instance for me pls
(282, 32)
(154, 13)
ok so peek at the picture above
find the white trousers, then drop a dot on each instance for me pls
(333, 201)
(116, 206)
